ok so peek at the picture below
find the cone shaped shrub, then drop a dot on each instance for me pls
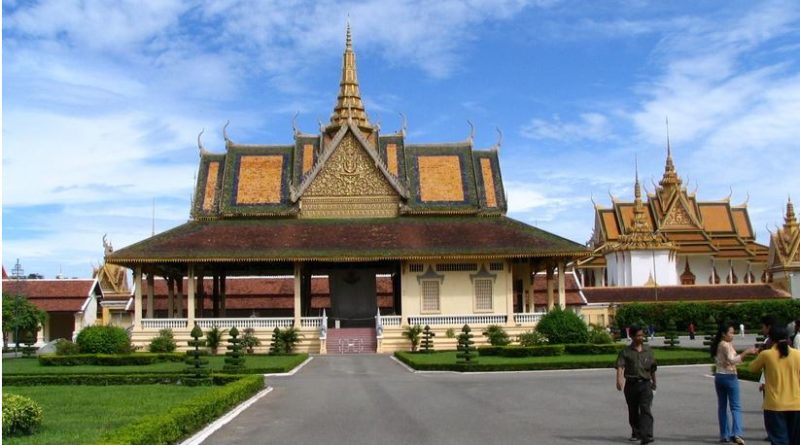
(234, 359)
(467, 354)
(276, 347)
(197, 371)
(427, 339)
(671, 336)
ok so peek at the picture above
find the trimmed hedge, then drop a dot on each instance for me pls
(100, 339)
(139, 358)
(186, 418)
(108, 379)
(593, 349)
(563, 363)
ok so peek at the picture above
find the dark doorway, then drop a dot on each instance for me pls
(353, 297)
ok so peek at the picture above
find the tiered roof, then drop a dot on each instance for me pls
(348, 193)
(675, 215)
(784, 246)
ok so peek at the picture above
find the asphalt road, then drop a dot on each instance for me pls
(371, 399)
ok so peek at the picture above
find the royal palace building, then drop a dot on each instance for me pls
(395, 233)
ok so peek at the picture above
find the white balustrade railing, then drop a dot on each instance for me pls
(528, 318)
(457, 320)
(391, 320)
(164, 323)
(241, 323)
(310, 322)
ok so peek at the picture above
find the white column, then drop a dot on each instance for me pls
(190, 297)
(179, 282)
(509, 293)
(562, 289)
(137, 298)
(170, 297)
(529, 306)
(150, 290)
(297, 291)
(549, 270)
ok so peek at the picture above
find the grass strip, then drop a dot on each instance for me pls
(254, 364)
(82, 415)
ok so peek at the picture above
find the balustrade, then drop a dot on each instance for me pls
(457, 320)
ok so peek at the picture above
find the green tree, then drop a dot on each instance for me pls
(290, 337)
(250, 340)
(710, 328)
(20, 317)
(214, 339)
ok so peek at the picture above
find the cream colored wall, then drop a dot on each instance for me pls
(456, 292)
(591, 314)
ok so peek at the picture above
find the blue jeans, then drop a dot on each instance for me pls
(783, 427)
(727, 386)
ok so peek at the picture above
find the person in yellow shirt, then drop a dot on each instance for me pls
(781, 366)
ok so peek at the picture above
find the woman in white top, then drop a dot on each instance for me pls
(726, 383)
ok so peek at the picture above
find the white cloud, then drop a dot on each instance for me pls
(591, 126)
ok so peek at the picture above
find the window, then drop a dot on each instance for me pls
(495, 266)
(483, 295)
(456, 267)
(601, 320)
(430, 296)
(415, 267)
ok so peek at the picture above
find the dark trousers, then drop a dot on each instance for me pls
(783, 427)
(639, 397)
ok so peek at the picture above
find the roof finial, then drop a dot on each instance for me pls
(499, 142)
(348, 102)
(403, 125)
(790, 221)
(669, 149)
(294, 123)
(200, 145)
(670, 177)
(225, 133)
(471, 131)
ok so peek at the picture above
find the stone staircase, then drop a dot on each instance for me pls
(351, 341)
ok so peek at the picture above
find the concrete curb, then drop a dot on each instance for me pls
(293, 371)
(203, 434)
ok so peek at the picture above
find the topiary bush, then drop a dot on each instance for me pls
(197, 370)
(427, 339)
(532, 338)
(66, 347)
(103, 340)
(496, 335)
(671, 336)
(165, 342)
(467, 354)
(276, 346)
(234, 359)
(21, 415)
(560, 327)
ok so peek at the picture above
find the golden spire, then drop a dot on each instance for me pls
(348, 103)
(639, 225)
(670, 177)
(790, 222)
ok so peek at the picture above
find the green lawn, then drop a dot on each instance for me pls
(263, 363)
(82, 414)
(444, 360)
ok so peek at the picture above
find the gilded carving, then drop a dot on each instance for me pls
(391, 159)
(678, 217)
(350, 172)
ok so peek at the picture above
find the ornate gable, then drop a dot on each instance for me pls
(679, 215)
(349, 185)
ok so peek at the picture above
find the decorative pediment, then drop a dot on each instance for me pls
(679, 214)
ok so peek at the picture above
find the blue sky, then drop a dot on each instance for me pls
(103, 101)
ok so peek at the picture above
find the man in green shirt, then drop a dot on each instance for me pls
(636, 373)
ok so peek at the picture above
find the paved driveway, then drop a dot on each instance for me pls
(371, 399)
